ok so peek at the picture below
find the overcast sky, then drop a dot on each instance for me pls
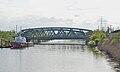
(72, 13)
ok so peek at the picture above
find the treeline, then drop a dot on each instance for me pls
(100, 36)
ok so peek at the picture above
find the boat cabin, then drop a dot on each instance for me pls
(20, 39)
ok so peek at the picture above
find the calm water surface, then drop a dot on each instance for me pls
(53, 58)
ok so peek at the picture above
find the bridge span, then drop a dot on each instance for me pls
(51, 33)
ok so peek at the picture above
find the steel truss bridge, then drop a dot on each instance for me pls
(51, 33)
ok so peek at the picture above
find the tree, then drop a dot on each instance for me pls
(5, 35)
(98, 35)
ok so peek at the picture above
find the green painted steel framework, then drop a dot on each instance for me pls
(51, 33)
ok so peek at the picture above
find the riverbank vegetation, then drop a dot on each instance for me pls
(97, 37)
(109, 43)
(6, 36)
(115, 38)
(100, 36)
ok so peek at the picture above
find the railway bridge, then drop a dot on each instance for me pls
(52, 33)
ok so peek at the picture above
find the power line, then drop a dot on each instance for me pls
(102, 23)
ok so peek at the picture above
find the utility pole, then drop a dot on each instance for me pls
(20, 28)
(110, 28)
(98, 27)
(101, 22)
(16, 29)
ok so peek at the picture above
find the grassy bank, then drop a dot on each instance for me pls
(112, 47)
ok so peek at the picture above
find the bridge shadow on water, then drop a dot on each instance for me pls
(61, 44)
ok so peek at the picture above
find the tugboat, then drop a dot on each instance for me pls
(20, 42)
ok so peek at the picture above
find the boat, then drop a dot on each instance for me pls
(20, 42)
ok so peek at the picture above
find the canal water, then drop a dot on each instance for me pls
(54, 58)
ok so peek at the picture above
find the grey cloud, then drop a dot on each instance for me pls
(34, 21)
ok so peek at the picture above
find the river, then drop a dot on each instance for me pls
(54, 58)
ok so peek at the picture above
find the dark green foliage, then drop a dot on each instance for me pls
(6, 35)
(98, 36)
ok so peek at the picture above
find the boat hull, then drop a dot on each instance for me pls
(21, 44)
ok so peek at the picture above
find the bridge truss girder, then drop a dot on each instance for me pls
(50, 33)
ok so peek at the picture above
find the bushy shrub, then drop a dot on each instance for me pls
(91, 43)
(4, 35)
(98, 35)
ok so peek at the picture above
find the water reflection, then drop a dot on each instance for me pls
(53, 58)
